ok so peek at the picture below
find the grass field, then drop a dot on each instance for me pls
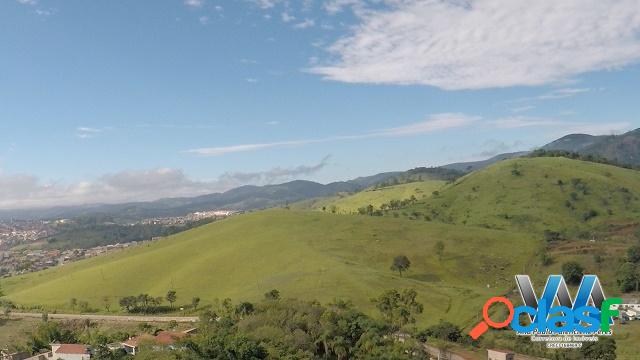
(349, 203)
(309, 255)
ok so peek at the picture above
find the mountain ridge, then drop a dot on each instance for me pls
(623, 148)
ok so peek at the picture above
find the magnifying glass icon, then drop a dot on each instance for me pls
(483, 326)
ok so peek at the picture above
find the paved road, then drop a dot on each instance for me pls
(115, 318)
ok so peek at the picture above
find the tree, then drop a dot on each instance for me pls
(572, 272)
(399, 308)
(443, 331)
(145, 300)
(627, 277)
(171, 297)
(603, 349)
(633, 254)
(400, 263)
(598, 259)
(545, 259)
(128, 303)
(7, 307)
(272, 295)
(195, 302)
(106, 301)
(438, 248)
(245, 308)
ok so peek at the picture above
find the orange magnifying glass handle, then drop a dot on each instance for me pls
(478, 330)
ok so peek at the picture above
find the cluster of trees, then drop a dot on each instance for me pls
(274, 328)
(294, 329)
(391, 205)
(421, 174)
(146, 304)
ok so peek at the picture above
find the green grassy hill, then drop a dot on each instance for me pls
(309, 255)
(534, 194)
(349, 203)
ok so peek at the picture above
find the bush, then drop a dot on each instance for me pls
(633, 254)
(545, 259)
(627, 277)
(572, 272)
(444, 331)
(589, 215)
(552, 236)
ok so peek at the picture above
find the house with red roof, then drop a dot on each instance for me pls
(163, 339)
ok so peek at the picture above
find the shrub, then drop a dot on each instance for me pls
(589, 215)
(552, 236)
(572, 272)
(633, 254)
(444, 331)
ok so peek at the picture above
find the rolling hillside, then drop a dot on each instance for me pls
(349, 203)
(309, 255)
(537, 194)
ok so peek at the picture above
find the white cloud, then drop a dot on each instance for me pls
(436, 122)
(87, 132)
(519, 109)
(204, 20)
(484, 43)
(43, 12)
(307, 23)
(494, 147)
(562, 93)
(27, 2)
(266, 4)
(612, 128)
(194, 3)
(286, 17)
(522, 122)
(27, 191)
(560, 127)
(336, 6)
(251, 80)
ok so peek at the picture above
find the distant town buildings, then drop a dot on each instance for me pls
(189, 218)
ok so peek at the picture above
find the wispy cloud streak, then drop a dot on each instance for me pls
(437, 122)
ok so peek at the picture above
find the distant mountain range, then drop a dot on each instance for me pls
(477, 165)
(623, 149)
(243, 198)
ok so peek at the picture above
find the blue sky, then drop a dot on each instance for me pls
(107, 101)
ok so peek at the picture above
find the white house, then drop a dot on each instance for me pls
(493, 354)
